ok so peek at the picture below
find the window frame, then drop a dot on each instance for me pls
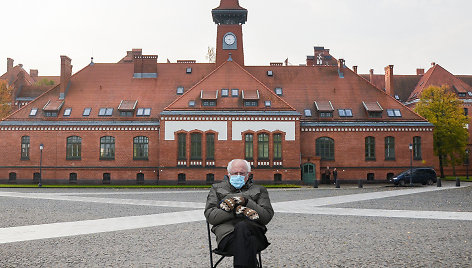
(249, 146)
(324, 148)
(417, 148)
(73, 148)
(263, 152)
(25, 147)
(389, 148)
(107, 148)
(196, 146)
(140, 148)
(277, 146)
(369, 143)
(210, 146)
(182, 146)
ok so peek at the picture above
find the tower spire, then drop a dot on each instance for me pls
(229, 12)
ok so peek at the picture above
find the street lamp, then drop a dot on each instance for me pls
(467, 164)
(410, 147)
(41, 147)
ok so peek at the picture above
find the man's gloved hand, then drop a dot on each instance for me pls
(247, 212)
(230, 203)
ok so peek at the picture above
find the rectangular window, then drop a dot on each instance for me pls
(270, 73)
(211, 103)
(263, 146)
(326, 114)
(389, 148)
(375, 114)
(345, 112)
(143, 112)
(191, 103)
(307, 113)
(249, 146)
(224, 92)
(33, 112)
(107, 148)
(417, 148)
(251, 103)
(74, 148)
(50, 114)
(369, 148)
(86, 111)
(234, 92)
(105, 112)
(188, 70)
(196, 146)
(140, 148)
(277, 146)
(126, 113)
(466, 111)
(25, 145)
(180, 90)
(182, 146)
(268, 103)
(210, 146)
(394, 113)
(279, 91)
(67, 111)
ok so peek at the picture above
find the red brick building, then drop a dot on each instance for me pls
(142, 121)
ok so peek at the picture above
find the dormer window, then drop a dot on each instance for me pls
(67, 111)
(325, 109)
(462, 94)
(250, 98)
(373, 109)
(52, 108)
(278, 91)
(209, 97)
(180, 90)
(127, 107)
(33, 112)
(188, 70)
(105, 112)
(270, 73)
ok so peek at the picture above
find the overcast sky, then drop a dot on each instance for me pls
(409, 34)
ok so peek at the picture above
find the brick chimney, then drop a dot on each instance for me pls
(145, 66)
(389, 80)
(354, 68)
(9, 64)
(34, 73)
(66, 73)
(310, 60)
(341, 66)
(371, 77)
(419, 71)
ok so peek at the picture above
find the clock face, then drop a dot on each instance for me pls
(230, 39)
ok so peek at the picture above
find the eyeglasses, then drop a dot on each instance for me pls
(239, 173)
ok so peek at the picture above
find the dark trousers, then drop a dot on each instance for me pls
(243, 243)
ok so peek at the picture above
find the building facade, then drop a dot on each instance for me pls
(139, 121)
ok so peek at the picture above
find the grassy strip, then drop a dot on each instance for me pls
(462, 178)
(131, 186)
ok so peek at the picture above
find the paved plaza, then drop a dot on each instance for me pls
(377, 226)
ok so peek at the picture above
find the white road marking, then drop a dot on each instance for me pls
(63, 229)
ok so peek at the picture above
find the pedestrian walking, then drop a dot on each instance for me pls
(335, 175)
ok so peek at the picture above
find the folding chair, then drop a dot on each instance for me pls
(223, 254)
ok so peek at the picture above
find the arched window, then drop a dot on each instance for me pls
(369, 148)
(140, 148)
(389, 148)
(25, 145)
(182, 146)
(417, 148)
(249, 153)
(196, 146)
(263, 146)
(107, 148)
(74, 147)
(277, 140)
(325, 148)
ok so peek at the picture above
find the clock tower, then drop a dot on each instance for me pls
(229, 17)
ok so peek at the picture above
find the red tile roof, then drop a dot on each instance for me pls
(438, 76)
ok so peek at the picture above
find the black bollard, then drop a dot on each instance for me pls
(458, 182)
(337, 184)
(360, 184)
(315, 184)
(438, 183)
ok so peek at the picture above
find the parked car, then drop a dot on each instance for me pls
(420, 175)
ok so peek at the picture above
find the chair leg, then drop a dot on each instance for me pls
(260, 260)
(209, 245)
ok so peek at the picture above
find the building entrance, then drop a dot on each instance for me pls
(308, 173)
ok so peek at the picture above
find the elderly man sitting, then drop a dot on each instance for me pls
(239, 211)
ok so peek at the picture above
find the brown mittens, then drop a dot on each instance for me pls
(247, 212)
(230, 203)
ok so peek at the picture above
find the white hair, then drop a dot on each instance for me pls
(230, 165)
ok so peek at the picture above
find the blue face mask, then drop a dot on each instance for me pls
(237, 181)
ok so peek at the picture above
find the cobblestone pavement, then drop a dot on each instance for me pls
(376, 226)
